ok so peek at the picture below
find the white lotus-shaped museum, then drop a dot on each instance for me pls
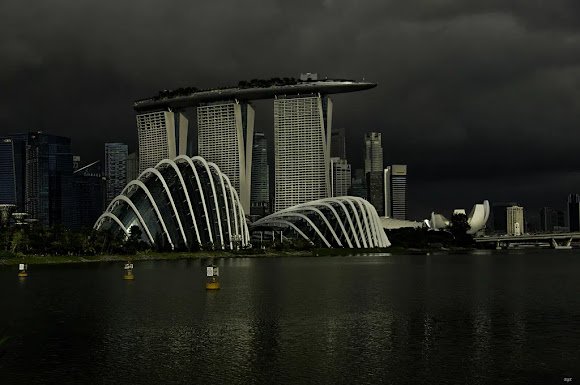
(476, 219)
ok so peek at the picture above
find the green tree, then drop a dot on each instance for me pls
(18, 242)
(459, 227)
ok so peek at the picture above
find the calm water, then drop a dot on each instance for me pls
(465, 319)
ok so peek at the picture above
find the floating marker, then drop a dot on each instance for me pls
(212, 282)
(128, 272)
(22, 270)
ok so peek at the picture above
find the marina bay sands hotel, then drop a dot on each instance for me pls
(225, 132)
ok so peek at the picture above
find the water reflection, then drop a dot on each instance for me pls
(482, 318)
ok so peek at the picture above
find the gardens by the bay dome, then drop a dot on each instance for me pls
(345, 222)
(182, 204)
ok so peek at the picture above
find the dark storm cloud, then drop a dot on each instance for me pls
(471, 94)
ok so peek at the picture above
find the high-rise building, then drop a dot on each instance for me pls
(48, 191)
(358, 186)
(7, 172)
(376, 190)
(395, 191)
(13, 170)
(387, 193)
(132, 166)
(551, 219)
(574, 212)
(225, 134)
(162, 135)
(340, 177)
(302, 126)
(373, 152)
(515, 220)
(499, 212)
(115, 170)
(260, 192)
(88, 186)
(338, 143)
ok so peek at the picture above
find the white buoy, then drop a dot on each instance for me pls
(22, 270)
(212, 273)
(128, 272)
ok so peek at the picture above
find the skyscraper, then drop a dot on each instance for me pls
(132, 166)
(373, 152)
(551, 219)
(88, 187)
(338, 143)
(574, 212)
(158, 139)
(340, 177)
(13, 170)
(7, 172)
(395, 191)
(515, 220)
(302, 125)
(225, 136)
(387, 191)
(358, 186)
(115, 170)
(49, 192)
(260, 193)
(375, 190)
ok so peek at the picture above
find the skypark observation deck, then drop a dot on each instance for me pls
(189, 97)
(225, 132)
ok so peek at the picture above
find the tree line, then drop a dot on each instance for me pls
(36, 239)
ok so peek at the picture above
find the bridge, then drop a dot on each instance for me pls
(555, 240)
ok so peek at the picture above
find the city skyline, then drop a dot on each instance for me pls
(502, 131)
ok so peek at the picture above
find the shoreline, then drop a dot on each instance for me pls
(167, 256)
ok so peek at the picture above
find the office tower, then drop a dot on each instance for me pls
(373, 152)
(515, 220)
(132, 166)
(399, 191)
(225, 136)
(88, 186)
(574, 212)
(13, 170)
(550, 219)
(376, 190)
(158, 138)
(115, 170)
(561, 221)
(358, 186)
(387, 191)
(7, 172)
(49, 192)
(260, 191)
(395, 191)
(338, 144)
(302, 125)
(340, 177)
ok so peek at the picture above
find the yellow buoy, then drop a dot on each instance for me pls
(212, 285)
(212, 282)
(22, 270)
(128, 276)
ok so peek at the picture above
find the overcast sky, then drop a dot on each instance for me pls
(480, 98)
